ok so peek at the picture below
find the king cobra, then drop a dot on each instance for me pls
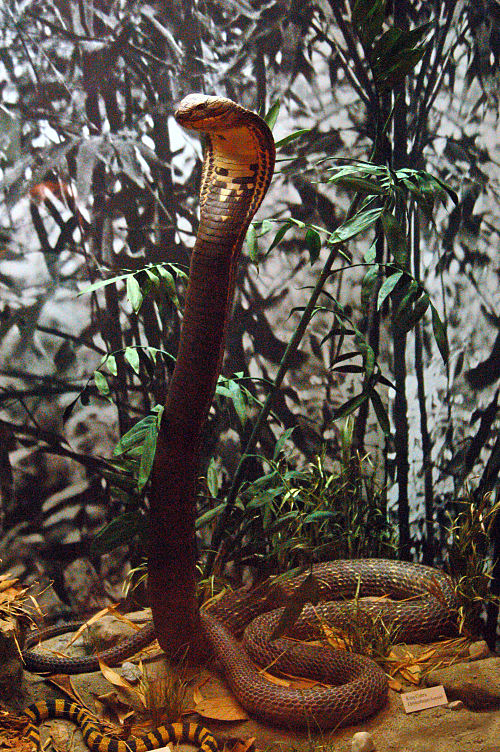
(237, 169)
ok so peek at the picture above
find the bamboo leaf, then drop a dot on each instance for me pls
(132, 358)
(134, 293)
(368, 285)
(279, 235)
(367, 18)
(147, 456)
(362, 185)
(348, 407)
(397, 241)
(359, 223)
(103, 283)
(271, 115)
(387, 287)
(122, 529)
(313, 243)
(213, 478)
(291, 137)
(440, 334)
(380, 412)
(278, 448)
(208, 516)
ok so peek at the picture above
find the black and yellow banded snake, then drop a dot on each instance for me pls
(427, 614)
(190, 733)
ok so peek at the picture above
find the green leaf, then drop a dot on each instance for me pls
(168, 283)
(208, 516)
(359, 223)
(101, 384)
(279, 235)
(449, 190)
(135, 436)
(238, 400)
(371, 254)
(251, 239)
(147, 456)
(134, 293)
(362, 185)
(266, 226)
(368, 284)
(380, 412)
(313, 243)
(348, 407)
(387, 287)
(132, 358)
(291, 137)
(111, 365)
(348, 369)
(319, 516)
(397, 241)
(103, 283)
(278, 448)
(367, 18)
(440, 334)
(413, 311)
(213, 478)
(121, 530)
(395, 54)
(271, 115)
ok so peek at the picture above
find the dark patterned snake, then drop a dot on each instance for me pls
(420, 604)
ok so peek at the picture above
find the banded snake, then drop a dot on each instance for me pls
(243, 169)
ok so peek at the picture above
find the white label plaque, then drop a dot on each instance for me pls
(424, 698)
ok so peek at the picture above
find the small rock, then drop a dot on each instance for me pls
(455, 705)
(362, 741)
(130, 672)
(478, 650)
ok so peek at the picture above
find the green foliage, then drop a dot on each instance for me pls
(287, 516)
(158, 279)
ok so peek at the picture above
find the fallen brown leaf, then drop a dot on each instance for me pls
(221, 708)
(240, 745)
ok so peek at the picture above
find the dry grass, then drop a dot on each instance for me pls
(469, 563)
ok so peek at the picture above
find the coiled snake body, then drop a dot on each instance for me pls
(237, 169)
(421, 605)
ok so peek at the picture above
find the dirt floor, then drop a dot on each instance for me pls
(454, 727)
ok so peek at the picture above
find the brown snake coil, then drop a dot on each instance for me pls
(423, 609)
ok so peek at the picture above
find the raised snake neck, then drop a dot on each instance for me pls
(237, 169)
(427, 611)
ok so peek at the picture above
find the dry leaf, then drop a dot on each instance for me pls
(410, 676)
(395, 685)
(125, 686)
(12, 733)
(110, 708)
(240, 745)
(274, 679)
(222, 708)
(5, 584)
(427, 655)
(64, 683)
